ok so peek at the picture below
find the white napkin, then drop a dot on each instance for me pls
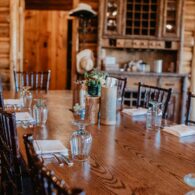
(49, 146)
(23, 116)
(135, 111)
(180, 130)
(18, 102)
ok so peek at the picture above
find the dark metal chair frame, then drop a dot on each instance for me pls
(37, 80)
(190, 97)
(11, 177)
(44, 180)
(121, 85)
(1, 96)
(153, 93)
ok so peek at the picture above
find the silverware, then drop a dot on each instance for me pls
(67, 160)
(59, 160)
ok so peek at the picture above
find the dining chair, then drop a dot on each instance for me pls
(1, 95)
(11, 175)
(44, 180)
(36, 80)
(147, 93)
(191, 97)
(121, 85)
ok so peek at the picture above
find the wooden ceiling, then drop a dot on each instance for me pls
(49, 4)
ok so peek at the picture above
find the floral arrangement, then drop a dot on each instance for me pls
(95, 77)
(94, 80)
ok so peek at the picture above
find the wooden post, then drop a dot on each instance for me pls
(193, 79)
(75, 25)
(21, 34)
(14, 5)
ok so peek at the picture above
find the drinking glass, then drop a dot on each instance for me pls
(40, 112)
(81, 139)
(27, 96)
(154, 115)
(189, 179)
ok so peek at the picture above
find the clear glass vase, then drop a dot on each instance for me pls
(81, 140)
(80, 143)
(27, 96)
(40, 112)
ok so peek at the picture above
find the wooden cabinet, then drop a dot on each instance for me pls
(177, 82)
(153, 19)
(171, 22)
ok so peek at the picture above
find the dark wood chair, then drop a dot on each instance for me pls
(11, 176)
(191, 97)
(147, 93)
(121, 85)
(37, 80)
(1, 96)
(45, 182)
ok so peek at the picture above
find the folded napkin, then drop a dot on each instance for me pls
(180, 130)
(49, 146)
(135, 111)
(23, 116)
(18, 102)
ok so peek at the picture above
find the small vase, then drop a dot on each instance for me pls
(80, 143)
(40, 112)
(94, 90)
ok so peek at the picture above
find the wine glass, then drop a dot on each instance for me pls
(189, 179)
(81, 139)
(27, 96)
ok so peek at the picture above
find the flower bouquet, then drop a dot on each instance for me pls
(94, 80)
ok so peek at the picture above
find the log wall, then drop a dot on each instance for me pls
(5, 42)
(189, 38)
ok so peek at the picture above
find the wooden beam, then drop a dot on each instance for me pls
(49, 4)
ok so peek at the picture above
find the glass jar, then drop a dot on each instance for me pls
(26, 96)
(40, 112)
(80, 143)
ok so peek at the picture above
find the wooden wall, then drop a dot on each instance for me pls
(189, 40)
(189, 29)
(5, 42)
(46, 44)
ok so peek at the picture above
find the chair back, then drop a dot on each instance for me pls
(11, 181)
(44, 180)
(147, 93)
(121, 85)
(37, 80)
(191, 97)
(1, 96)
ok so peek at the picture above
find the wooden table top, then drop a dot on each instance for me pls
(125, 158)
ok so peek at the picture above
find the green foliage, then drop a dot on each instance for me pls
(95, 77)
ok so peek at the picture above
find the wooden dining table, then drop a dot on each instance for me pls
(125, 158)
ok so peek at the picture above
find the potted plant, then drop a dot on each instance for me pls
(94, 80)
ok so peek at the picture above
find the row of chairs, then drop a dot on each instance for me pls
(14, 174)
(147, 93)
(36, 80)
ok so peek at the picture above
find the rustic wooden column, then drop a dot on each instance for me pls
(193, 79)
(14, 5)
(75, 25)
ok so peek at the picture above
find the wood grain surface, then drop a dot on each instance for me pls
(125, 158)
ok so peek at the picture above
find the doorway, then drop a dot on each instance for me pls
(48, 45)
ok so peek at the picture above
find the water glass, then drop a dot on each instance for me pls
(80, 143)
(81, 139)
(154, 115)
(40, 112)
(27, 99)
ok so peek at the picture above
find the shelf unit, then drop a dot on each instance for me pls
(141, 17)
